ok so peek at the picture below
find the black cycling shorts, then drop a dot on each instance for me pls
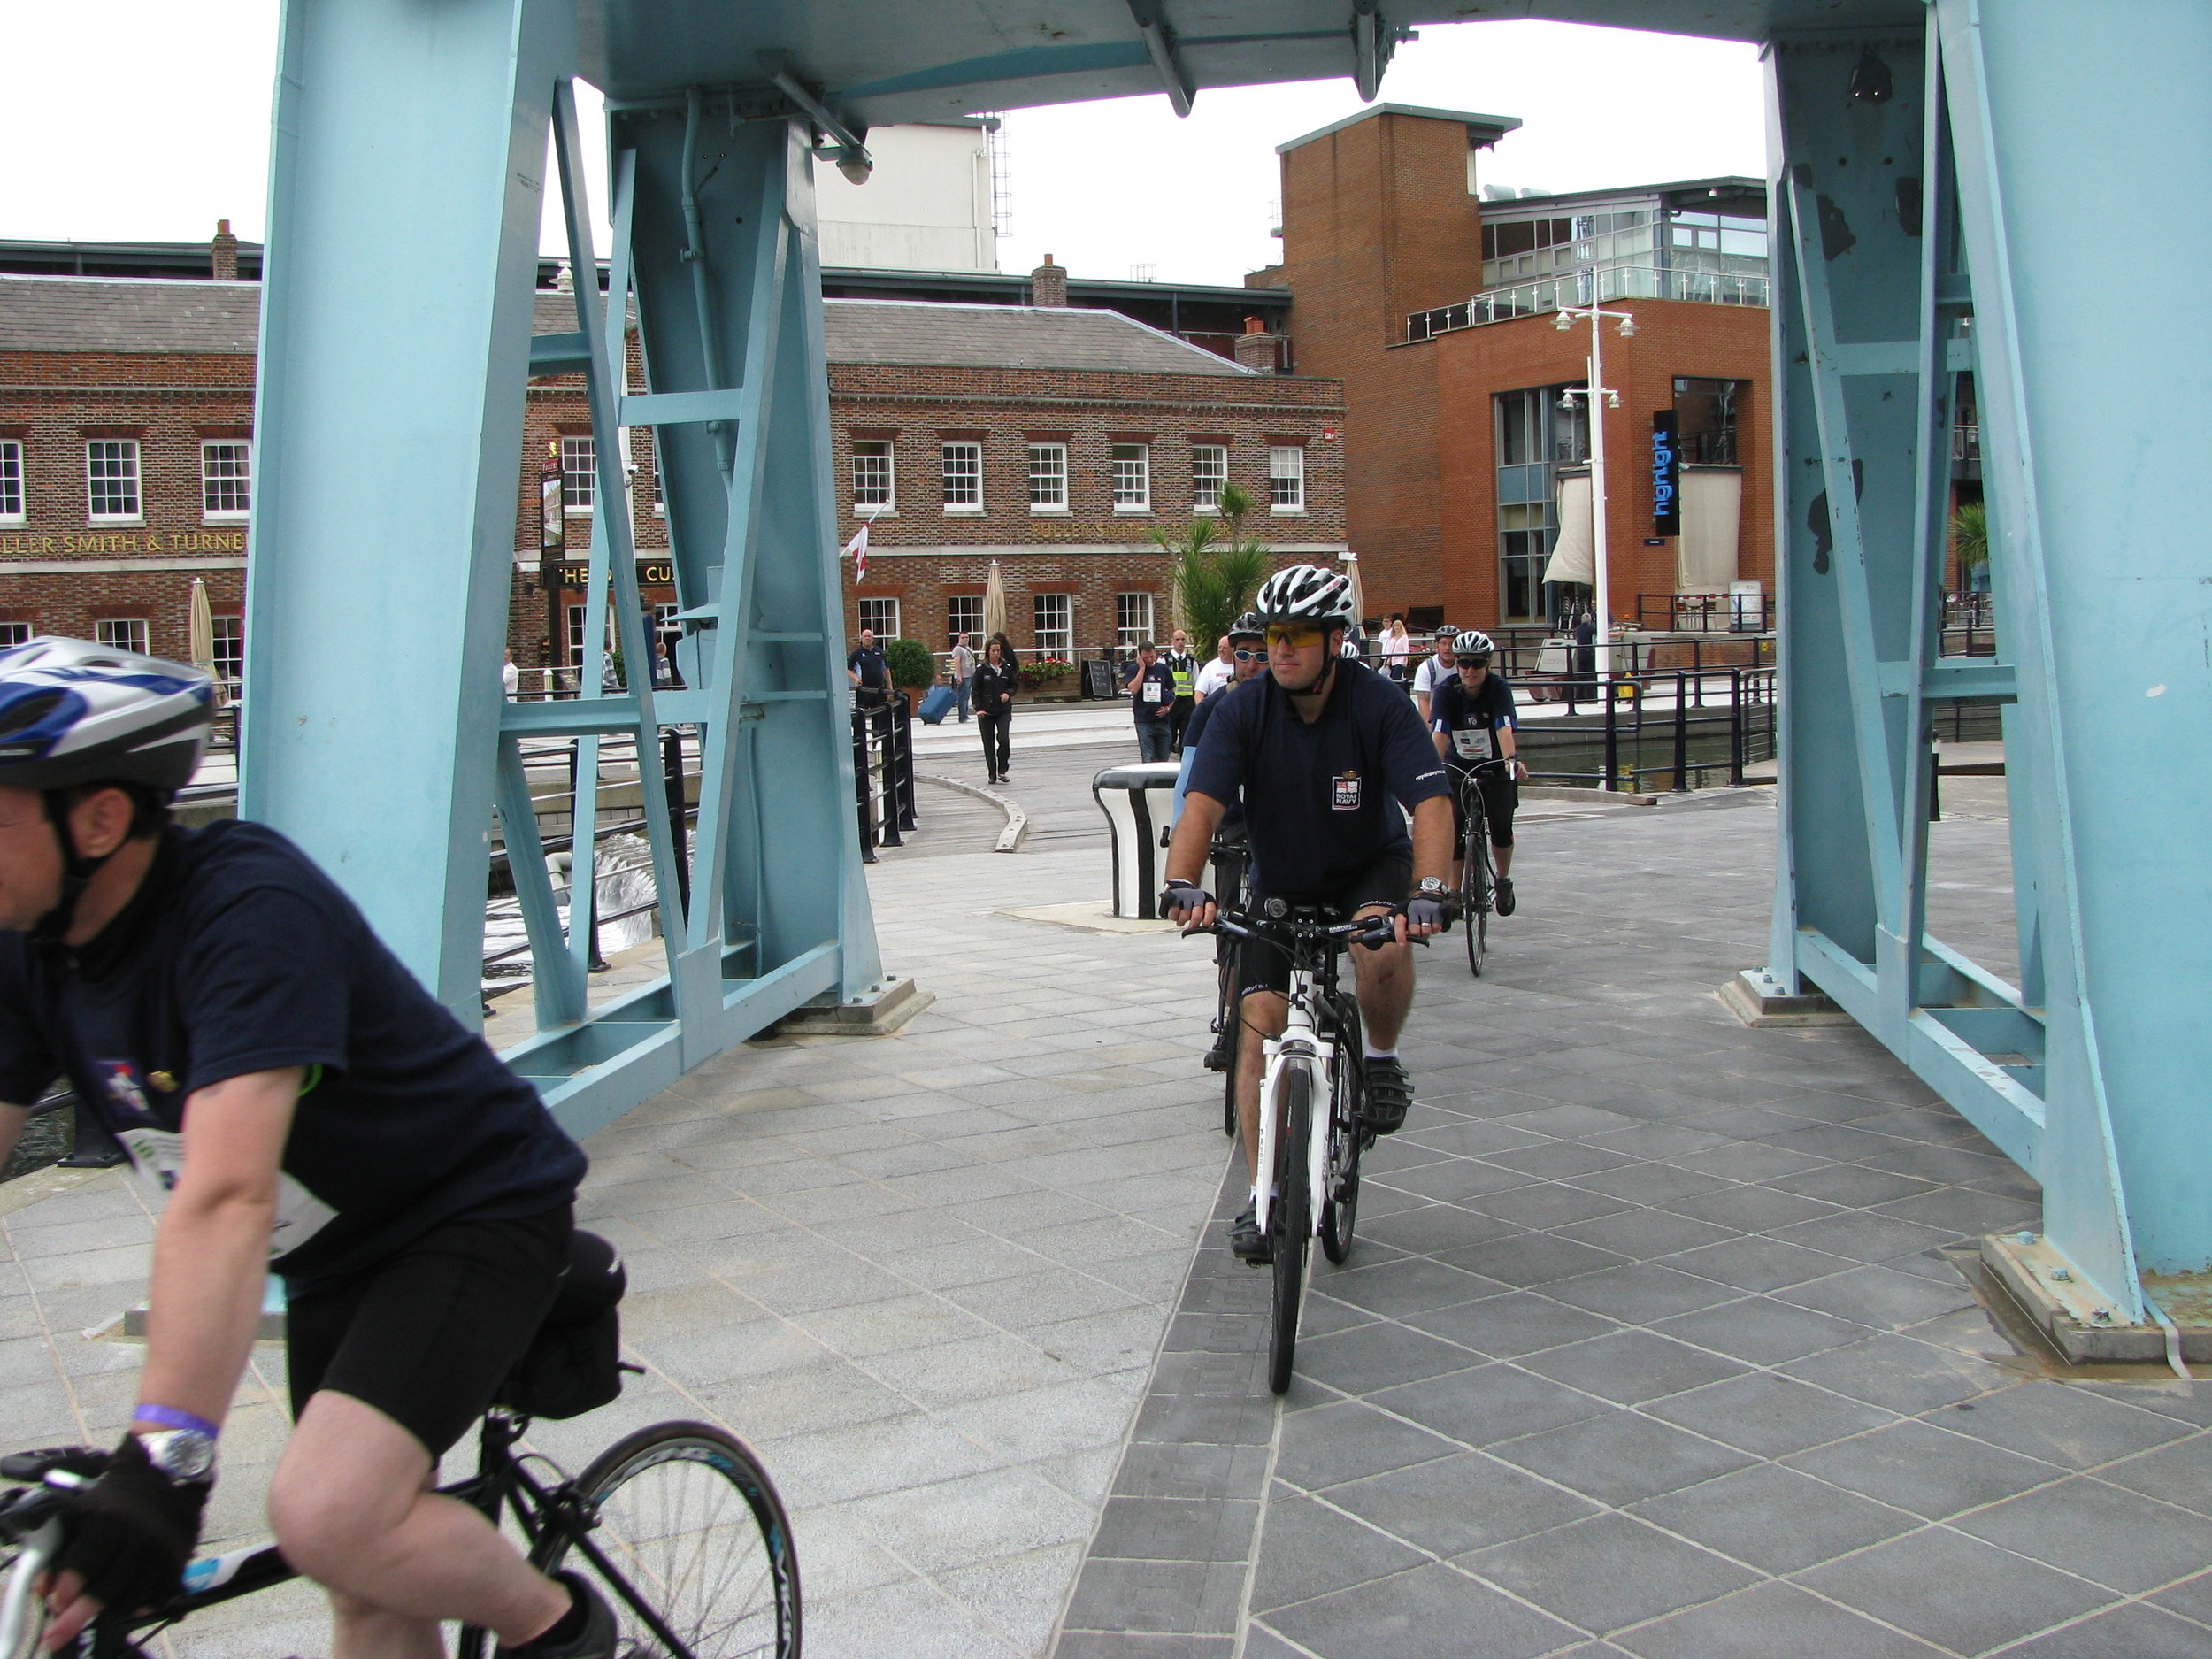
(427, 1336)
(1499, 795)
(1388, 880)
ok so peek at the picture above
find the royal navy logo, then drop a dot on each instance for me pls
(1344, 792)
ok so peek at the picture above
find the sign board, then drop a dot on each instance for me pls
(1666, 475)
(650, 573)
(1098, 681)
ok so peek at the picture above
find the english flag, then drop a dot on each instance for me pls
(857, 551)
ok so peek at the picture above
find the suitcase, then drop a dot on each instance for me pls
(939, 704)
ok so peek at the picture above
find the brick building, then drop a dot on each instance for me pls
(1436, 310)
(1047, 437)
(1053, 440)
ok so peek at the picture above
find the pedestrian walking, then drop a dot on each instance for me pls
(963, 673)
(1220, 669)
(1152, 700)
(870, 675)
(1182, 667)
(996, 679)
(510, 676)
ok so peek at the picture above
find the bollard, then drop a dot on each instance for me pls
(1139, 803)
(583, 845)
(883, 792)
(1735, 728)
(1612, 738)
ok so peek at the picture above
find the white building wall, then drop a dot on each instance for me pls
(927, 208)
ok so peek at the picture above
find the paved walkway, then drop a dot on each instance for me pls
(1653, 1342)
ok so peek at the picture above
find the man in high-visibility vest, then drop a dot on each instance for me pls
(1179, 663)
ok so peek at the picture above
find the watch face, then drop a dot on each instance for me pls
(1431, 883)
(181, 1453)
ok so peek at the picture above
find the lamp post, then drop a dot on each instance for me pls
(552, 545)
(1601, 397)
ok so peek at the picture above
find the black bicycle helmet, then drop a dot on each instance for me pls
(1248, 627)
(1310, 594)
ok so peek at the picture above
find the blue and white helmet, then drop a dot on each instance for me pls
(72, 712)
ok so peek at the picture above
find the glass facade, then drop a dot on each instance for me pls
(1536, 438)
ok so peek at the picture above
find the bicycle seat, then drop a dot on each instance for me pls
(592, 1282)
(29, 1468)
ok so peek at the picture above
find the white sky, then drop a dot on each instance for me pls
(177, 135)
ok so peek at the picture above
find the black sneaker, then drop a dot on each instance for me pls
(1389, 1096)
(595, 1640)
(1218, 1057)
(1246, 1243)
(1503, 904)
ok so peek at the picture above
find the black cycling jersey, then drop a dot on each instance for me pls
(237, 955)
(1322, 800)
(1470, 720)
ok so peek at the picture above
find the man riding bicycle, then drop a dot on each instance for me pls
(1324, 752)
(297, 1103)
(1472, 719)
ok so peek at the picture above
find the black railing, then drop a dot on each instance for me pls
(1705, 613)
(883, 773)
(1710, 725)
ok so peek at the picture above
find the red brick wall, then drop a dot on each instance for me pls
(1673, 338)
(1377, 222)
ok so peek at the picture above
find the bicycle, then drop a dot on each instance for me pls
(678, 1523)
(1313, 1189)
(1229, 858)
(1478, 876)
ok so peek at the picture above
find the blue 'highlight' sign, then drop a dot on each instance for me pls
(1666, 475)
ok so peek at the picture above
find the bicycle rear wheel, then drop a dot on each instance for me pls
(699, 1550)
(1348, 1136)
(1291, 1224)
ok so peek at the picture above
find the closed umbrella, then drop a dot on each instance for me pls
(993, 602)
(201, 631)
(1359, 600)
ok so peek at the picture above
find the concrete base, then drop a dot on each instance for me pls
(2068, 1309)
(877, 1013)
(1756, 998)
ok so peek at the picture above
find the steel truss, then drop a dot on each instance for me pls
(405, 204)
(1927, 202)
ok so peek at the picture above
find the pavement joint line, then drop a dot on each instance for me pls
(1010, 839)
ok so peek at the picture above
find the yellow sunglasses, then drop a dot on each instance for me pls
(1297, 639)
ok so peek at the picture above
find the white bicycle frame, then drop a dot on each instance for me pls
(1302, 1047)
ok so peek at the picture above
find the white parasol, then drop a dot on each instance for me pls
(993, 602)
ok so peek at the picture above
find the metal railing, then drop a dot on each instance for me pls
(1586, 288)
(1705, 613)
(1657, 731)
(883, 773)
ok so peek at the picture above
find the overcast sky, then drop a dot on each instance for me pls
(148, 120)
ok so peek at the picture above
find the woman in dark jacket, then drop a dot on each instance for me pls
(996, 679)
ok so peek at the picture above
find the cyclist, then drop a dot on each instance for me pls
(297, 1101)
(1246, 644)
(1323, 752)
(1434, 671)
(1472, 719)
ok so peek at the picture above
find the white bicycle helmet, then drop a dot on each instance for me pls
(72, 712)
(1475, 643)
(1312, 594)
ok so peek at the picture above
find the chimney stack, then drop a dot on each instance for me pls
(1048, 284)
(223, 253)
(1256, 347)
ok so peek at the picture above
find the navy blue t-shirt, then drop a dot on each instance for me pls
(1150, 688)
(1194, 733)
(1321, 801)
(237, 955)
(1470, 720)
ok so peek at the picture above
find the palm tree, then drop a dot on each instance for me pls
(1970, 540)
(1215, 567)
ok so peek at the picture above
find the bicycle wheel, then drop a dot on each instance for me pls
(1229, 1012)
(1474, 884)
(1292, 1225)
(1348, 1138)
(693, 1550)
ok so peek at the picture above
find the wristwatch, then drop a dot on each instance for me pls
(1430, 887)
(182, 1455)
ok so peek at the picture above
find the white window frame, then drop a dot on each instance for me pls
(12, 510)
(963, 614)
(1048, 469)
(230, 650)
(869, 451)
(1055, 639)
(1207, 482)
(126, 458)
(1133, 621)
(14, 634)
(1131, 473)
(1286, 480)
(217, 483)
(122, 633)
(579, 475)
(960, 474)
(873, 610)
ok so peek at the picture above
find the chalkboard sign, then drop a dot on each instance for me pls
(1098, 681)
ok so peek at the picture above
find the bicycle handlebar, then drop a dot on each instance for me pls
(1378, 930)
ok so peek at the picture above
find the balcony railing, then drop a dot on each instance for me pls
(1585, 287)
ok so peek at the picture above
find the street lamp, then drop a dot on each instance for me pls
(1593, 391)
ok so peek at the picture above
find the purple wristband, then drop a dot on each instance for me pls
(170, 1418)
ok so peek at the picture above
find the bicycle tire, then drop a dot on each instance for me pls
(1293, 1226)
(1347, 1139)
(642, 1490)
(1229, 1012)
(1474, 883)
